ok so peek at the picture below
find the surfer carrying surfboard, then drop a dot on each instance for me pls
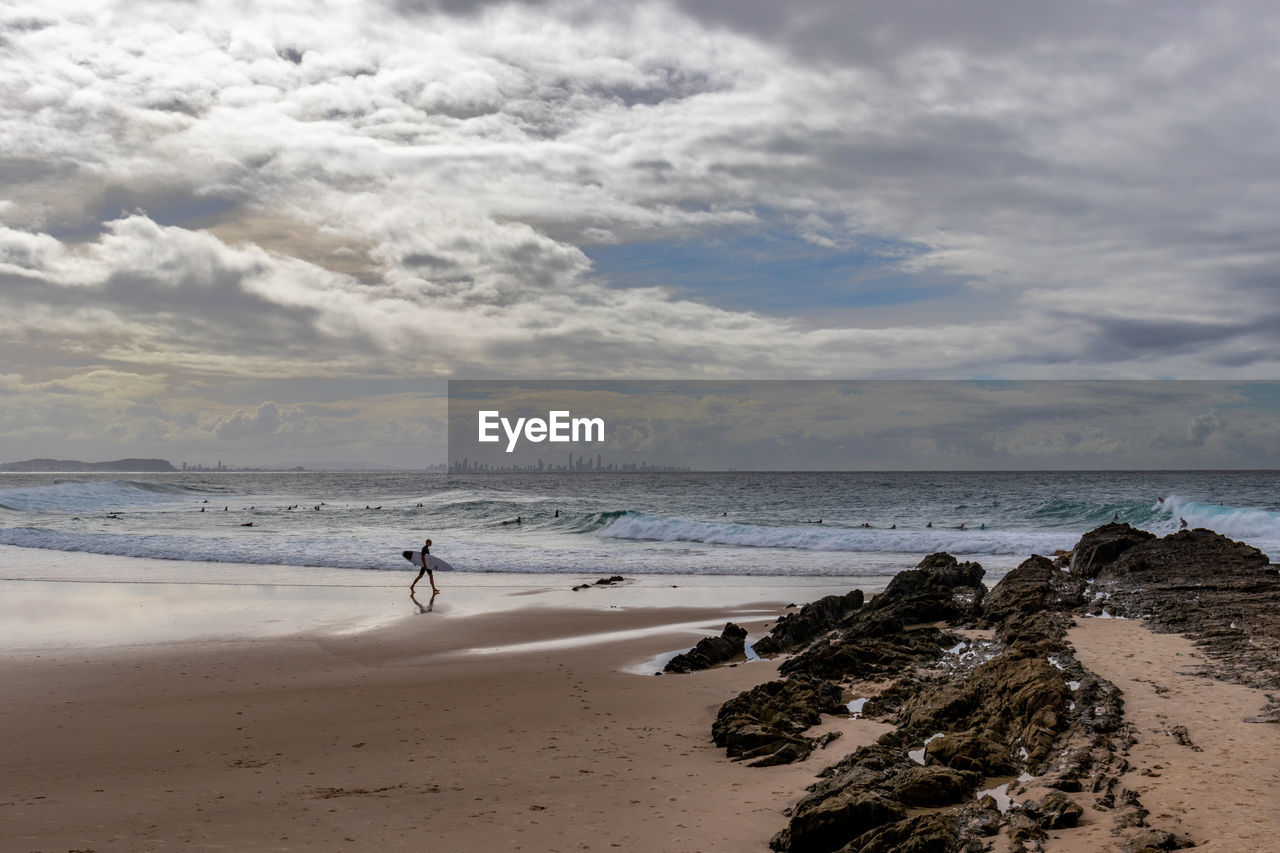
(426, 570)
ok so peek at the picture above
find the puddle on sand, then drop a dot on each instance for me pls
(1000, 793)
(655, 664)
(917, 755)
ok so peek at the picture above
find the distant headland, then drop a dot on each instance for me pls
(61, 465)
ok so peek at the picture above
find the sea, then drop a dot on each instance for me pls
(264, 526)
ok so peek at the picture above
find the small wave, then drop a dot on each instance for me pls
(587, 522)
(258, 551)
(87, 496)
(812, 537)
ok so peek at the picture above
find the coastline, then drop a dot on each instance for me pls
(79, 601)
(516, 719)
(389, 739)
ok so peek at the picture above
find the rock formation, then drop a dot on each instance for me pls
(976, 712)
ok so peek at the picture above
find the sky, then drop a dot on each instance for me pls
(269, 232)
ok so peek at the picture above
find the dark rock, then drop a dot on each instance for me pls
(1191, 556)
(813, 620)
(772, 716)
(835, 821)
(1034, 633)
(931, 833)
(1023, 703)
(1151, 840)
(1130, 812)
(939, 588)
(711, 650)
(828, 739)
(1223, 594)
(851, 654)
(1183, 737)
(1012, 699)
(1032, 587)
(1023, 826)
(970, 751)
(601, 582)
(981, 819)
(933, 786)
(1102, 546)
(784, 752)
(1058, 811)
(872, 766)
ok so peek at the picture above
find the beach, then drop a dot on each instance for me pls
(503, 725)
(154, 702)
(1203, 761)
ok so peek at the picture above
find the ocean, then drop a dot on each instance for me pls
(710, 524)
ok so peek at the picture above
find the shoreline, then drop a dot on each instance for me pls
(518, 721)
(54, 599)
(388, 739)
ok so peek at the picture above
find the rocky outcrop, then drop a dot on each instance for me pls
(1103, 546)
(610, 581)
(833, 822)
(1036, 585)
(967, 711)
(869, 650)
(1029, 708)
(1224, 594)
(1191, 557)
(939, 588)
(886, 636)
(764, 724)
(711, 650)
(862, 803)
(930, 833)
(813, 620)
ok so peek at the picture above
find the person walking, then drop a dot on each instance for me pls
(426, 570)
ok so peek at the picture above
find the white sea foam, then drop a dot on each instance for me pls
(1244, 523)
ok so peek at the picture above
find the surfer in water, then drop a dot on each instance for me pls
(426, 552)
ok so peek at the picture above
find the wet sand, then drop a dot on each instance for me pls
(517, 730)
(509, 717)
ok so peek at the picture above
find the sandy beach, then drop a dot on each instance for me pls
(1203, 761)
(512, 729)
(520, 714)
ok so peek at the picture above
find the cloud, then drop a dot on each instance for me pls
(1202, 426)
(261, 420)
(408, 190)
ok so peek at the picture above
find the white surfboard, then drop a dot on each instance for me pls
(434, 563)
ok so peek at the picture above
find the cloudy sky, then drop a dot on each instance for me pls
(269, 232)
